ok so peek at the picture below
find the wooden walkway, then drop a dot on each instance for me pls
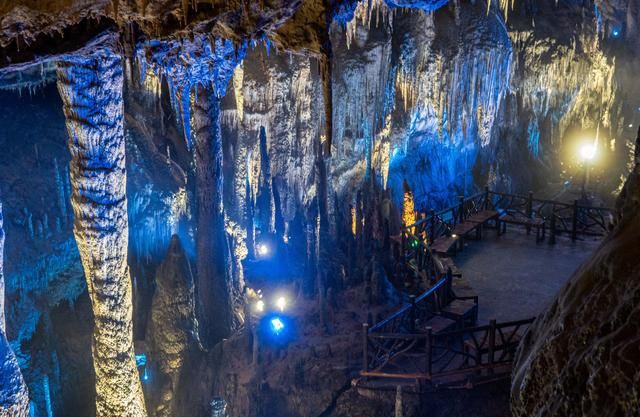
(434, 338)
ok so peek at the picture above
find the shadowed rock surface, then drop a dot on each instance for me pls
(172, 325)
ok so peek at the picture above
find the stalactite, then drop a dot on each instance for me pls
(238, 77)
(188, 63)
(14, 398)
(91, 91)
(327, 96)
(213, 286)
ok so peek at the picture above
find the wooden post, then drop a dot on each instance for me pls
(412, 314)
(429, 351)
(461, 215)
(398, 405)
(486, 198)
(365, 346)
(530, 210)
(492, 342)
(552, 232)
(448, 290)
(574, 223)
(432, 231)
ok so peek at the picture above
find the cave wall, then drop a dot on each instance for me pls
(449, 101)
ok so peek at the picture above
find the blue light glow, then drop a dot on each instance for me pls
(141, 359)
(145, 375)
(277, 325)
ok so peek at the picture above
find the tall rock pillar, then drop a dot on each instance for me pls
(215, 315)
(91, 91)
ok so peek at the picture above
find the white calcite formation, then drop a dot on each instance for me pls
(91, 90)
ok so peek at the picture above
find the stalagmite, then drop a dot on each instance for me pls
(91, 91)
(14, 397)
(214, 309)
(172, 322)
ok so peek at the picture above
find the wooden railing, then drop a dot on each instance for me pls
(427, 355)
(571, 219)
(420, 308)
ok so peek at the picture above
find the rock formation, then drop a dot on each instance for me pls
(14, 398)
(91, 89)
(581, 357)
(172, 325)
(327, 98)
(215, 316)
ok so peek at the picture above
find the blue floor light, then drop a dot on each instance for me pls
(277, 325)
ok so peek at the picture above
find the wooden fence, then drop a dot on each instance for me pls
(570, 219)
(445, 355)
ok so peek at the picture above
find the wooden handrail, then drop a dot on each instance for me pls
(496, 344)
(407, 307)
(528, 204)
(453, 333)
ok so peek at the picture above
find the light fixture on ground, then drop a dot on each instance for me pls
(263, 249)
(587, 154)
(277, 325)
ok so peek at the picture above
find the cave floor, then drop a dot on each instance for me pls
(515, 277)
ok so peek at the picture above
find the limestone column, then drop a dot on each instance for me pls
(91, 91)
(14, 397)
(212, 289)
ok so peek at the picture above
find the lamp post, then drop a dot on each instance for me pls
(587, 153)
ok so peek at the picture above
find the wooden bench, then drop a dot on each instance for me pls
(443, 264)
(443, 244)
(462, 229)
(483, 216)
(515, 218)
(439, 324)
(463, 310)
(455, 271)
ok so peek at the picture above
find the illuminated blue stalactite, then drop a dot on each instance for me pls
(343, 11)
(186, 64)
